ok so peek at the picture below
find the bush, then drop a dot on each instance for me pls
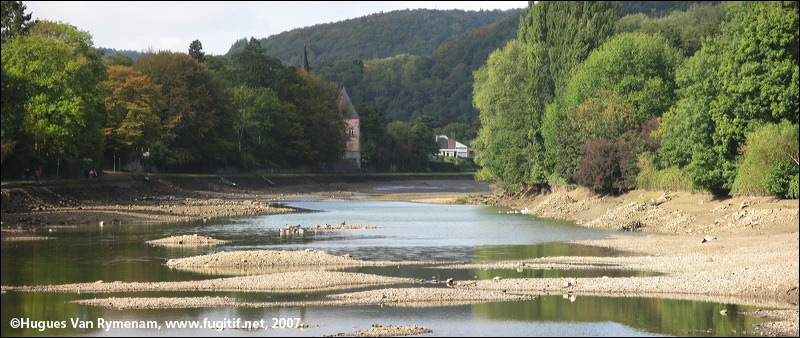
(652, 178)
(607, 166)
(782, 180)
(768, 164)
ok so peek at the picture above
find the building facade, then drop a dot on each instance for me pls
(449, 147)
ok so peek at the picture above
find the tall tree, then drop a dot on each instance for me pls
(260, 126)
(63, 113)
(509, 140)
(14, 20)
(317, 129)
(196, 51)
(254, 67)
(132, 103)
(195, 122)
(567, 32)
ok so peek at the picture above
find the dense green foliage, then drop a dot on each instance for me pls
(375, 36)
(392, 147)
(195, 123)
(516, 85)
(64, 108)
(630, 110)
(505, 144)
(55, 111)
(770, 161)
(658, 8)
(683, 30)
(737, 82)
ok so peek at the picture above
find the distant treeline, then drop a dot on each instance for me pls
(701, 100)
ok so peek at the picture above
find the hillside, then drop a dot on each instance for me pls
(380, 35)
(406, 86)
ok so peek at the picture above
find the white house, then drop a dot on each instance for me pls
(449, 147)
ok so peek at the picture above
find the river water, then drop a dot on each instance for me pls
(411, 231)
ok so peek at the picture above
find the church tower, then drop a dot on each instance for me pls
(353, 122)
(352, 156)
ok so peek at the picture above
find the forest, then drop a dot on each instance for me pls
(375, 36)
(701, 100)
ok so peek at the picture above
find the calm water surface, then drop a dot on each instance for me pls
(411, 232)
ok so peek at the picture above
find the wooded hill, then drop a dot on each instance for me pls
(416, 32)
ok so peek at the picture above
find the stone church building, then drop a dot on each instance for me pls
(351, 162)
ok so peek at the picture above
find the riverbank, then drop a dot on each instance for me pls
(139, 199)
(743, 248)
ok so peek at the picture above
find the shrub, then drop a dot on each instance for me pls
(652, 178)
(782, 180)
(607, 166)
(769, 160)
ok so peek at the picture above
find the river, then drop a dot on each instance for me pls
(411, 231)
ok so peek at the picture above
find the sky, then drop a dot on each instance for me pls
(174, 25)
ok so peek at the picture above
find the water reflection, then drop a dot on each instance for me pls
(544, 316)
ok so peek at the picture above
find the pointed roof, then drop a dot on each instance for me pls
(304, 66)
(346, 105)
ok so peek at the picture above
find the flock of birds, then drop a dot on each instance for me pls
(298, 230)
(523, 211)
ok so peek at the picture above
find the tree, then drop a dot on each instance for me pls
(60, 73)
(423, 141)
(554, 37)
(195, 122)
(196, 51)
(509, 142)
(637, 66)
(14, 20)
(737, 82)
(254, 67)
(567, 32)
(684, 30)
(260, 125)
(119, 59)
(316, 124)
(607, 166)
(132, 103)
(604, 116)
(375, 141)
(459, 131)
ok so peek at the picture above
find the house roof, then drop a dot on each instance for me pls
(346, 105)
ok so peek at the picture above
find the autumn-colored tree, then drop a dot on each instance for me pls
(195, 123)
(132, 103)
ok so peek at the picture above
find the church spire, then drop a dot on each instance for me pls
(304, 66)
(346, 105)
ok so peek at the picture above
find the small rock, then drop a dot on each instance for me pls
(708, 239)
(724, 312)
